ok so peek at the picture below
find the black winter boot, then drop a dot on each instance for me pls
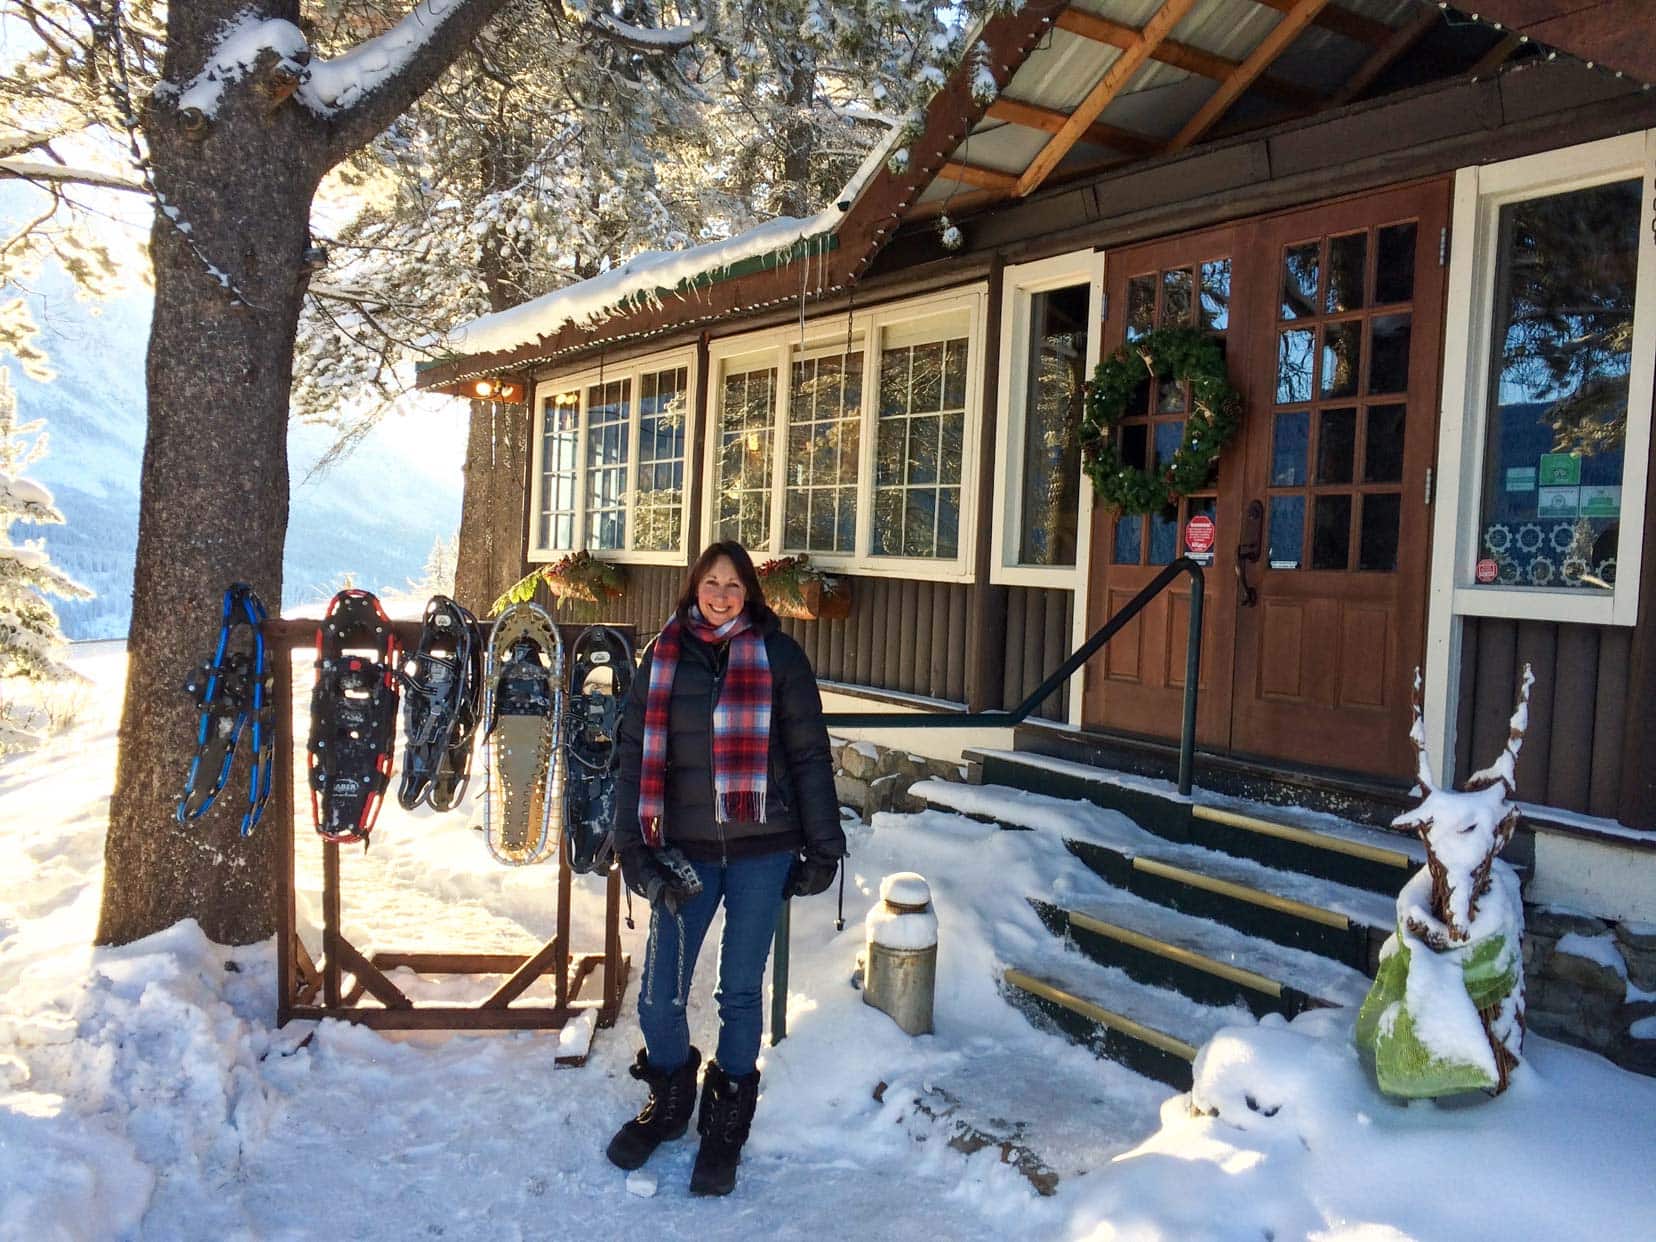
(727, 1106)
(665, 1117)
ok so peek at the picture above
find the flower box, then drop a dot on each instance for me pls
(797, 589)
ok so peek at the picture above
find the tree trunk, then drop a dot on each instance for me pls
(214, 486)
(491, 509)
(798, 134)
(214, 511)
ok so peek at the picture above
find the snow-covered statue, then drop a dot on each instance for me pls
(1446, 1013)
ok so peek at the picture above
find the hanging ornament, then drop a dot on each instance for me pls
(948, 232)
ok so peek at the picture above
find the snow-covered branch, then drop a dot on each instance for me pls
(648, 39)
(57, 174)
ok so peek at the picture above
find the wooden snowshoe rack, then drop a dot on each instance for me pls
(307, 990)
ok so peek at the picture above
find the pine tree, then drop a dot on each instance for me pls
(31, 643)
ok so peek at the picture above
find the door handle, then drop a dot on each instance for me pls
(1253, 532)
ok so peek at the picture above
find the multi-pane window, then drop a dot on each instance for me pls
(1560, 365)
(663, 409)
(610, 458)
(746, 426)
(608, 432)
(919, 442)
(824, 417)
(1055, 386)
(1345, 319)
(1153, 426)
(560, 432)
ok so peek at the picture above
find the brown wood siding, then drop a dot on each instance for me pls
(1038, 627)
(1579, 710)
(903, 636)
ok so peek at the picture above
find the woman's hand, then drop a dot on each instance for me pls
(810, 874)
(661, 877)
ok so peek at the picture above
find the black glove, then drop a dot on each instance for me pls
(810, 874)
(663, 877)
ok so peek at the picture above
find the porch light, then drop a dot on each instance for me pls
(499, 390)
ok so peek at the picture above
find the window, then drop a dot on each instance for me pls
(608, 431)
(1051, 310)
(560, 429)
(824, 417)
(663, 410)
(860, 459)
(1557, 285)
(917, 460)
(746, 422)
(608, 473)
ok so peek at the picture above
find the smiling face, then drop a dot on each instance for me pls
(720, 593)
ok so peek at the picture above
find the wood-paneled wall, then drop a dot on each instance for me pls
(905, 636)
(1038, 627)
(1579, 709)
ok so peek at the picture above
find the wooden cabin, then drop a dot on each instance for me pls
(1425, 240)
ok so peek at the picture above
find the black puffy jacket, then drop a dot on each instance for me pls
(801, 810)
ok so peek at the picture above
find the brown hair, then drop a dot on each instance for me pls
(755, 607)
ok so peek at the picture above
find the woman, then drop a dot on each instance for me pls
(725, 793)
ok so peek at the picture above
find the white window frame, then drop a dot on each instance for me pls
(1021, 282)
(1480, 193)
(866, 331)
(582, 382)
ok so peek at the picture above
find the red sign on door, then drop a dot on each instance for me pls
(1199, 534)
(1488, 571)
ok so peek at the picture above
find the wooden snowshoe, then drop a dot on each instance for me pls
(523, 679)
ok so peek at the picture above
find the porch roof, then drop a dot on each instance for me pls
(1052, 92)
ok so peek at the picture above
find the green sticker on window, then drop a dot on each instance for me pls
(1560, 469)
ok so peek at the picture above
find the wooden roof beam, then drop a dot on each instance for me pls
(1230, 90)
(1387, 55)
(976, 175)
(1354, 26)
(1033, 116)
(1180, 56)
(1115, 79)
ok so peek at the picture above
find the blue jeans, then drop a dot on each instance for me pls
(751, 889)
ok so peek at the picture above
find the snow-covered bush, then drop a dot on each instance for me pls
(1446, 1013)
(30, 639)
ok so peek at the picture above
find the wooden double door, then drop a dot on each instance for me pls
(1331, 322)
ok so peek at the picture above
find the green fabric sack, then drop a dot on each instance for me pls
(1403, 1063)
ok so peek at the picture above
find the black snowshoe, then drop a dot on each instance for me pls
(234, 691)
(353, 716)
(444, 681)
(601, 674)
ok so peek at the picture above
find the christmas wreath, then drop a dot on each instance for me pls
(1183, 354)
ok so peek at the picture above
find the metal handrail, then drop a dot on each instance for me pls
(1001, 718)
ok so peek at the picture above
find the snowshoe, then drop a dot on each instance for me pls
(353, 716)
(601, 674)
(443, 680)
(234, 691)
(523, 700)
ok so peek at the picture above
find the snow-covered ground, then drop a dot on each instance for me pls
(145, 1094)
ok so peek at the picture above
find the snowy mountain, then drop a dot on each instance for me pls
(348, 521)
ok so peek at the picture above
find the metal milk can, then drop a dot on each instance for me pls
(901, 953)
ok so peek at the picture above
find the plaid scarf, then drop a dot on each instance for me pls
(741, 724)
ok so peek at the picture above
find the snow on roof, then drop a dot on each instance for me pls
(638, 279)
(644, 276)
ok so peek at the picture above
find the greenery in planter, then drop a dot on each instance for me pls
(786, 578)
(1183, 354)
(579, 578)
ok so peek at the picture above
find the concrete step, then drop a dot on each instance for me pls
(1290, 908)
(1207, 961)
(1284, 837)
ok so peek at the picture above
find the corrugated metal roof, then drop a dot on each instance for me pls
(1160, 97)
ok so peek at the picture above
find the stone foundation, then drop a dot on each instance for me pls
(870, 778)
(1588, 981)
